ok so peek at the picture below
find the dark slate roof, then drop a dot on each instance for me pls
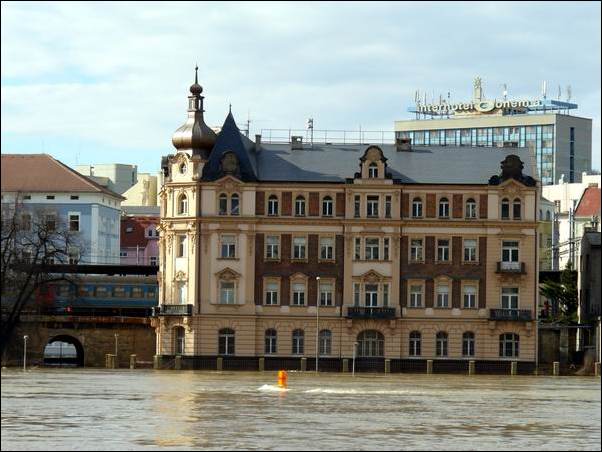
(422, 165)
(231, 140)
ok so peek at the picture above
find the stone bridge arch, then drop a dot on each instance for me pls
(79, 361)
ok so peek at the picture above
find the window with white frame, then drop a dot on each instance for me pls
(228, 247)
(299, 248)
(509, 297)
(226, 341)
(372, 248)
(182, 241)
(388, 206)
(509, 345)
(300, 206)
(443, 208)
(73, 221)
(271, 293)
(326, 248)
(272, 247)
(357, 249)
(470, 250)
(415, 343)
(327, 206)
(443, 296)
(372, 206)
(326, 293)
(470, 297)
(298, 342)
(385, 287)
(416, 295)
(417, 208)
(234, 205)
(416, 250)
(441, 342)
(271, 341)
(471, 208)
(325, 342)
(371, 295)
(373, 170)
(468, 342)
(510, 249)
(273, 205)
(443, 250)
(356, 294)
(386, 242)
(298, 294)
(182, 204)
(227, 292)
(181, 292)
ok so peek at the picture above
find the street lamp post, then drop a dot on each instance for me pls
(25, 352)
(317, 320)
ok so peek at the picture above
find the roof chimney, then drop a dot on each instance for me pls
(403, 144)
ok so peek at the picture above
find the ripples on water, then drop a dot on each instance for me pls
(110, 410)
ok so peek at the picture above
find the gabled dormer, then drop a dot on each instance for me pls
(373, 166)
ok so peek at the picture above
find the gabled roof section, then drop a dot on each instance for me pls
(589, 204)
(231, 141)
(33, 173)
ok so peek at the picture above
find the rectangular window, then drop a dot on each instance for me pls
(470, 297)
(326, 248)
(372, 245)
(356, 294)
(51, 222)
(356, 206)
(74, 222)
(226, 292)
(443, 250)
(386, 248)
(415, 296)
(182, 246)
(371, 295)
(326, 294)
(101, 292)
(470, 250)
(49, 196)
(416, 254)
(74, 197)
(385, 295)
(417, 208)
(510, 298)
(510, 255)
(372, 206)
(137, 292)
(358, 248)
(387, 206)
(443, 296)
(299, 248)
(154, 260)
(271, 293)
(228, 250)
(272, 247)
(298, 294)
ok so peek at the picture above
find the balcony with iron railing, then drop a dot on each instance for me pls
(364, 312)
(173, 309)
(521, 315)
(511, 267)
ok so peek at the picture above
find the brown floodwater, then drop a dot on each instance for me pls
(53, 409)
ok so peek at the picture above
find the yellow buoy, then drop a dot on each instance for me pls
(282, 378)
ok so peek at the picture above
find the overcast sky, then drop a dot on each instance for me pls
(107, 82)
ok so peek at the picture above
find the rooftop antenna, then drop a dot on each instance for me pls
(569, 94)
(544, 92)
(505, 91)
(310, 127)
(248, 123)
(559, 92)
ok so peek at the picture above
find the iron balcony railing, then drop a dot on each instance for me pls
(511, 267)
(174, 309)
(362, 312)
(523, 315)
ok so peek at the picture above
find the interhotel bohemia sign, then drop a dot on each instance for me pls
(481, 106)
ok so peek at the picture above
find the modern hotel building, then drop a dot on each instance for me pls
(273, 253)
(561, 144)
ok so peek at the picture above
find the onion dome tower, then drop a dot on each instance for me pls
(194, 135)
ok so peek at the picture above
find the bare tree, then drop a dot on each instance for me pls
(32, 243)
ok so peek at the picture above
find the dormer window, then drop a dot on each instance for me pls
(234, 205)
(183, 168)
(373, 170)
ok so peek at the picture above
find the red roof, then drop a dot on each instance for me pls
(42, 173)
(589, 204)
(133, 228)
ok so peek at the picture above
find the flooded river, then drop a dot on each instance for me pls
(107, 410)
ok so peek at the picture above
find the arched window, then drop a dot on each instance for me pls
(415, 343)
(468, 344)
(327, 206)
(223, 204)
(370, 344)
(273, 205)
(509, 345)
(300, 206)
(226, 342)
(234, 204)
(471, 208)
(271, 341)
(179, 335)
(325, 343)
(298, 342)
(183, 168)
(441, 342)
(182, 204)
(373, 170)
(443, 208)
(505, 209)
(417, 208)
(516, 209)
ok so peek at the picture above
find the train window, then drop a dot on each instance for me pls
(136, 292)
(85, 291)
(102, 292)
(151, 293)
(119, 292)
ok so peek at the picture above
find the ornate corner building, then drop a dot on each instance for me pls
(283, 251)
